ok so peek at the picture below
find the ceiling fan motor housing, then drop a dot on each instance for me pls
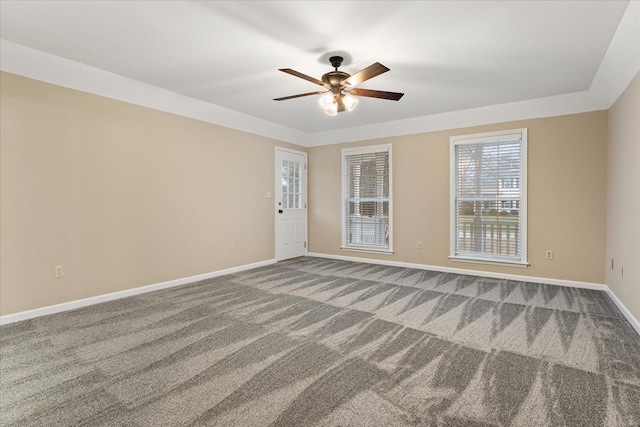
(335, 78)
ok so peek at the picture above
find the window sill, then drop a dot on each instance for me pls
(365, 249)
(517, 264)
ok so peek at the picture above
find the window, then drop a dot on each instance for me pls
(366, 189)
(489, 197)
(291, 194)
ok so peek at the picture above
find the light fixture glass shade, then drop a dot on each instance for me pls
(349, 102)
(326, 100)
(332, 109)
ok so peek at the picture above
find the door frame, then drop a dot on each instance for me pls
(305, 197)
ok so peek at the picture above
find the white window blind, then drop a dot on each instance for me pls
(366, 188)
(488, 201)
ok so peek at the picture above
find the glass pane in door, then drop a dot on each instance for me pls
(291, 194)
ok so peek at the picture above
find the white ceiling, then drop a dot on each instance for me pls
(445, 56)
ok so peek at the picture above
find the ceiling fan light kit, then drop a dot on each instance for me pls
(350, 102)
(330, 102)
(327, 100)
(339, 95)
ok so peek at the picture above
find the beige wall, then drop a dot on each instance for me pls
(122, 196)
(567, 179)
(623, 198)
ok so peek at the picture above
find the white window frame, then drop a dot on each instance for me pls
(479, 138)
(366, 247)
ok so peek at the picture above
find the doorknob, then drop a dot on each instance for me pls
(280, 211)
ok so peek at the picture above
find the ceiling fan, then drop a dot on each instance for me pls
(340, 89)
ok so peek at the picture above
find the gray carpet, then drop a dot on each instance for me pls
(317, 342)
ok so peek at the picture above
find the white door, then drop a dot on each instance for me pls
(291, 203)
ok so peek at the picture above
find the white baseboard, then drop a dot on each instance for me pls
(72, 305)
(517, 277)
(634, 322)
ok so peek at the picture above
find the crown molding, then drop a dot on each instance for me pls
(42, 66)
(619, 66)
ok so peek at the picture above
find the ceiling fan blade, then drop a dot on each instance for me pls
(300, 95)
(369, 72)
(393, 96)
(302, 76)
(341, 106)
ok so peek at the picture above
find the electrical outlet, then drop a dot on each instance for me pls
(58, 271)
(230, 247)
(419, 244)
(549, 255)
